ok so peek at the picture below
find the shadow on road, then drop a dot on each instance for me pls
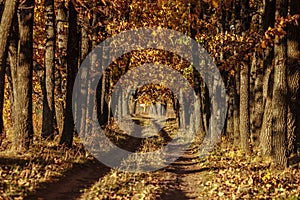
(70, 186)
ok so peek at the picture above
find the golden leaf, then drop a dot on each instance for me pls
(215, 3)
(89, 15)
(281, 21)
(263, 45)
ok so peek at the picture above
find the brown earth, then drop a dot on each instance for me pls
(184, 177)
(81, 176)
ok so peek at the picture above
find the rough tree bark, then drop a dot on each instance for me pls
(6, 22)
(2, 76)
(266, 129)
(84, 23)
(244, 84)
(13, 60)
(236, 110)
(230, 104)
(49, 127)
(256, 83)
(257, 101)
(22, 88)
(244, 108)
(293, 62)
(2, 83)
(72, 67)
(280, 90)
(84, 42)
(61, 23)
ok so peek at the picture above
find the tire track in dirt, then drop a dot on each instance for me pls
(70, 186)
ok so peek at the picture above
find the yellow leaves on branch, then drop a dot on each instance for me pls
(263, 44)
(278, 30)
(215, 3)
(218, 4)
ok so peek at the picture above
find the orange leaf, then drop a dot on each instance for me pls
(215, 3)
(263, 45)
(89, 15)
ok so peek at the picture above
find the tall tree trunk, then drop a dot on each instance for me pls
(62, 22)
(236, 110)
(84, 42)
(22, 109)
(257, 101)
(5, 26)
(293, 52)
(49, 128)
(13, 60)
(72, 62)
(256, 83)
(6, 21)
(244, 14)
(279, 103)
(230, 104)
(2, 82)
(244, 84)
(93, 59)
(205, 106)
(266, 129)
(244, 107)
(84, 50)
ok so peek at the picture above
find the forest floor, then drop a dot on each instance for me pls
(49, 172)
(218, 177)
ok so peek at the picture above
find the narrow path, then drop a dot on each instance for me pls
(187, 175)
(70, 186)
(184, 175)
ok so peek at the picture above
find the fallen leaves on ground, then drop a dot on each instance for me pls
(21, 175)
(234, 175)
